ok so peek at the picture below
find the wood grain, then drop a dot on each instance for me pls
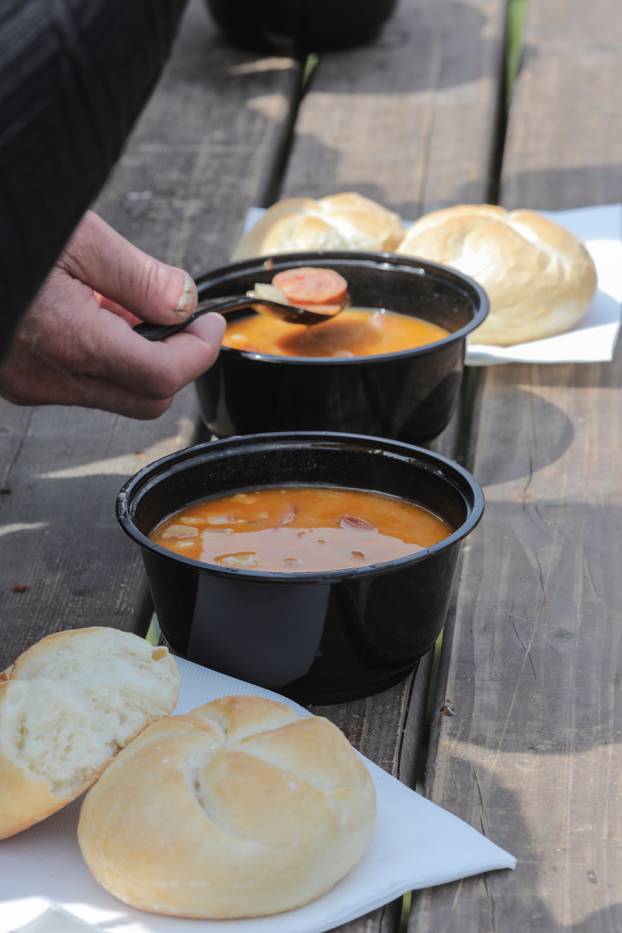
(200, 154)
(411, 122)
(564, 137)
(399, 92)
(533, 755)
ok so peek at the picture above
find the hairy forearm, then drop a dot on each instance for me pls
(74, 75)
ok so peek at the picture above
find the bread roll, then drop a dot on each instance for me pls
(539, 278)
(338, 222)
(67, 705)
(239, 808)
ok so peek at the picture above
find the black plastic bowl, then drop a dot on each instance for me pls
(317, 637)
(409, 395)
(300, 26)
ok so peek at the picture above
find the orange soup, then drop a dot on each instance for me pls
(354, 332)
(300, 529)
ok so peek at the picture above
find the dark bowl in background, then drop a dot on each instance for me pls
(300, 26)
(316, 637)
(409, 396)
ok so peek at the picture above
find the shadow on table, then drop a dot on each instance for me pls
(424, 46)
(535, 643)
(579, 186)
(533, 895)
(503, 462)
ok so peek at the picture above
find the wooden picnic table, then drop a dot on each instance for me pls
(523, 717)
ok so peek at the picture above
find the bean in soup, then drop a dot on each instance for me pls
(300, 529)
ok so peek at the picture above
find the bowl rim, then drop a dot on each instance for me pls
(411, 264)
(153, 473)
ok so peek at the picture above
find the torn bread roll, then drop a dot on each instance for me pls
(346, 221)
(539, 278)
(67, 706)
(239, 808)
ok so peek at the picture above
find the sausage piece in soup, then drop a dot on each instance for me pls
(300, 529)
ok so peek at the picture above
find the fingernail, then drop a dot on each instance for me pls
(217, 326)
(187, 299)
(210, 327)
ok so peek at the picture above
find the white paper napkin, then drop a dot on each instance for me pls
(594, 338)
(45, 886)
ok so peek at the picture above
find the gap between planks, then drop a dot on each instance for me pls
(534, 752)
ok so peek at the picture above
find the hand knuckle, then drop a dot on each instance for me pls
(152, 278)
(169, 384)
(160, 384)
(153, 408)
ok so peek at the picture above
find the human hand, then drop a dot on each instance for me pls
(75, 345)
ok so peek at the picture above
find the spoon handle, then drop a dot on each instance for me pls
(222, 305)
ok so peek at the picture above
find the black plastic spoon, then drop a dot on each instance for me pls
(273, 308)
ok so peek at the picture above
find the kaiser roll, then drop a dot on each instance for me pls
(67, 705)
(338, 222)
(239, 808)
(539, 278)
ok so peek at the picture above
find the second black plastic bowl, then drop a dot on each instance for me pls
(408, 396)
(317, 637)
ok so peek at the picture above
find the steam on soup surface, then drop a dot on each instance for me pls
(354, 332)
(300, 529)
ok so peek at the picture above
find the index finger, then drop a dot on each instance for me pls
(158, 369)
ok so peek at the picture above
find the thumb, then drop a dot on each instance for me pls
(101, 258)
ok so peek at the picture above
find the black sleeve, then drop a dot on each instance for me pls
(74, 75)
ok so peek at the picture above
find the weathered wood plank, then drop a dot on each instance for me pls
(198, 158)
(533, 755)
(204, 150)
(411, 122)
(563, 147)
(370, 119)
